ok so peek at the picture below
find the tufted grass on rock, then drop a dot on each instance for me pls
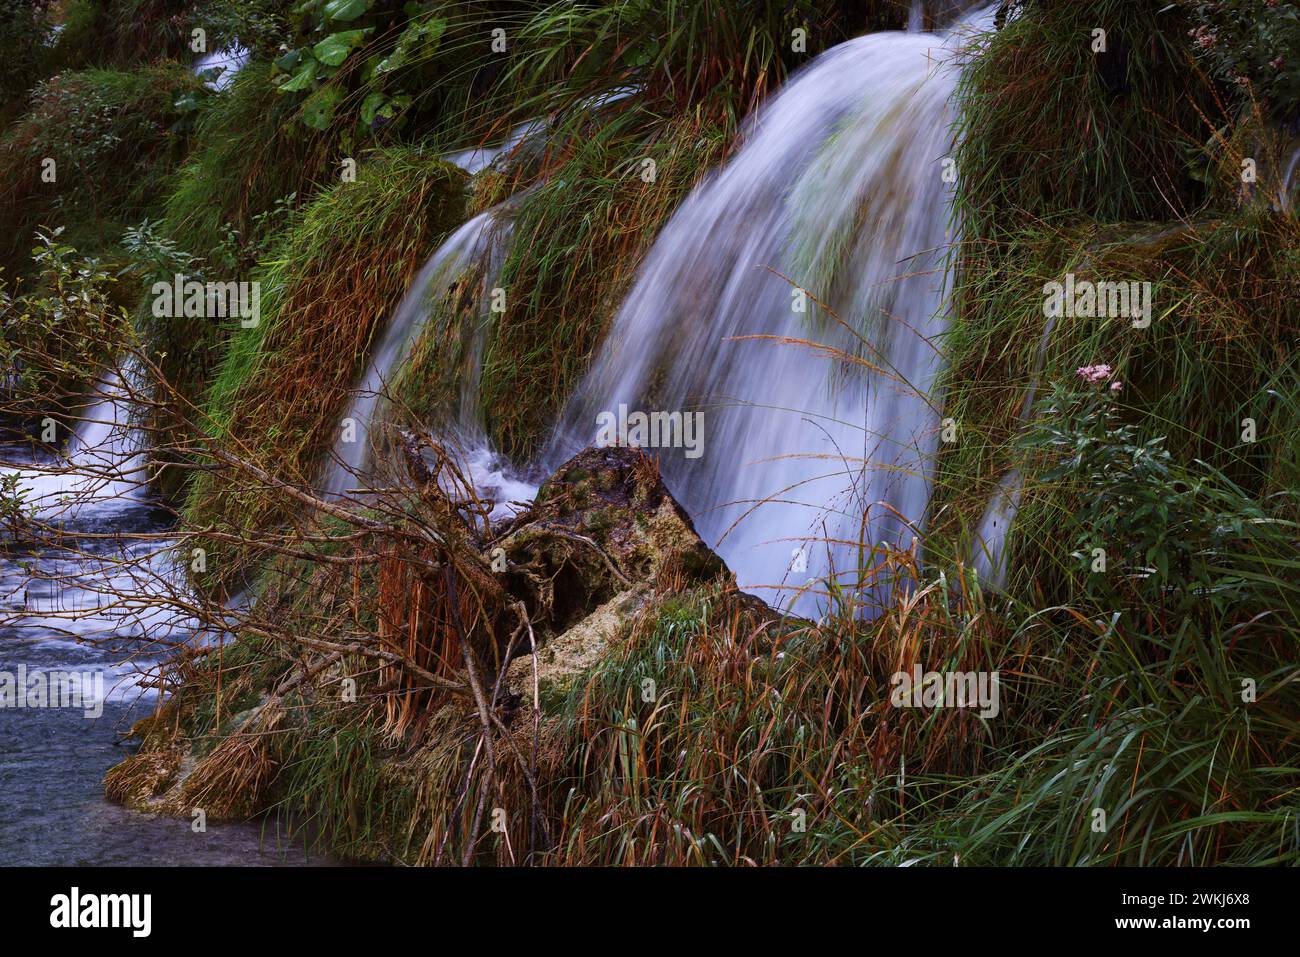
(327, 288)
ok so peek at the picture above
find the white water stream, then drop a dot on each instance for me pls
(818, 433)
(481, 241)
(840, 187)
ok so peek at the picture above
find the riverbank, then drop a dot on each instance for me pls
(53, 759)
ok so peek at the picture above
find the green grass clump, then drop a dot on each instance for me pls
(1163, 702)
(251, 153)
(1138, 670)
(327, 288)
(1216, 353)
(110, 137)
(727, 55)
(577, 242)
(1051, 129)
(125, 33)
(253, 164)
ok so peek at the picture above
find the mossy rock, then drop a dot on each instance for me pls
(604, 523)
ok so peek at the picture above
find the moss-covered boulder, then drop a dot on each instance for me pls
(602, 547)
(602, 525)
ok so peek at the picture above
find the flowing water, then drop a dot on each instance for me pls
(1290, 181)
(105, 461)
(69, 621)
(478, 243)
(227, 62)
(819, 430)
(839, 187)
(476, 159)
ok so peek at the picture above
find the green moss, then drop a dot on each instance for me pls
(329, 285)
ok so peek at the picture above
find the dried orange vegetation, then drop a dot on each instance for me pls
(284, 384)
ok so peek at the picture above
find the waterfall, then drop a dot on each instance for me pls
(819, 432)
(840, 186)
(105, 459)
(477, 159)
(229, 60)
(1289, 179)
(916, 17)
(480, 239)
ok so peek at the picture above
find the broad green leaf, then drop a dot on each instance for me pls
(334, 49)
(318, 109)
(303, 77)
(419, 39)
(390, 110)
(289, 60)
(370, 106)
(346, 10)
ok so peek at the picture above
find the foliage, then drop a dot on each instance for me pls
(1052, 131)
(1254, 45)
(1168, 532)
(91, 154)
(55, 338)
(331, 280)
(24, 32)
(257, 25)
(335, 33)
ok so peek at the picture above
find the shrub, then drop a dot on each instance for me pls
(108, 135)
(1254, 46)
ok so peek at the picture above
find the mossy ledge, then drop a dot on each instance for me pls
(600, 555)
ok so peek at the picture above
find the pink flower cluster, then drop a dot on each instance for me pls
(1098, 373)
(1204, 36)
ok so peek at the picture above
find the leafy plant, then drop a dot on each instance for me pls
(155, 257)
(56, 336)
(1173, 531)
(333, 34)
(1255, 45)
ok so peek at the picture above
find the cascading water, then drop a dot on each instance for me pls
(105, 458)
(839, 186)
(477, 159)
(916, 17)
(1289, 181)
(96, 605)
(227, 61)
(479, 241)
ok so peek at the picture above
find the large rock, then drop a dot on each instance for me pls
(604, 524)
(603, 541)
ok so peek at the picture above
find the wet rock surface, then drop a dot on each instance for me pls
(602, 543)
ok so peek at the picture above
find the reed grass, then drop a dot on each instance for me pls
(281, 388)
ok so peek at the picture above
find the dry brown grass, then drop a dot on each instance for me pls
(284, 386)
